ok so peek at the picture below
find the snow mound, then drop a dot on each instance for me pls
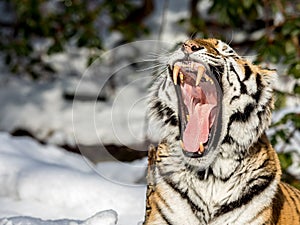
(108, 217)
(49, 183)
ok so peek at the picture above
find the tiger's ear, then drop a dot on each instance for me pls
(269, 72)
(269, 75)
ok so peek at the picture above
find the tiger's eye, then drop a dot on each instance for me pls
(196, 48)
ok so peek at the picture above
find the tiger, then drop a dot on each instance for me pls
(214, 163)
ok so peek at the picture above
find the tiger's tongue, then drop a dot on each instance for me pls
(197, 129)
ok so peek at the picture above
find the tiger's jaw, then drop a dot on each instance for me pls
(199, 108)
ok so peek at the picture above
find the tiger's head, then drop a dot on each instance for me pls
(212, 103)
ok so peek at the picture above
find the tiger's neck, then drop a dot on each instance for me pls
(228, 164)
(225, 185)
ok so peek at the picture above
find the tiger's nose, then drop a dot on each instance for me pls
(190, 47)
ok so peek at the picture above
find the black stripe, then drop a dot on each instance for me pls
(215, 49)
(234, 98)
(259, 85)
(242, 116)
(217, 72)
(248, 72)
(168, 96)
(277, 205)
(293, 193)
(264, 108)
(202, 173)
(249, 193)
(172, 120)
(228, 73)
(195, 208)
(165, 111)
(297, 195)
(228, 139)
(169, 111)
(164, 84)
(287, 197)
(163, 216)
(238, 117)
(243, 88)
(163, 201)
(213, 56)
(264, 164)
(157, 106)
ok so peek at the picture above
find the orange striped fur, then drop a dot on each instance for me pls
(235, 182)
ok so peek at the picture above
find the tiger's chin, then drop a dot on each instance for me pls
(199, 109)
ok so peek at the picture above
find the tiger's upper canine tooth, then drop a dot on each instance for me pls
(200, 72)
(175, 73)
(188, 118)
(181, 76)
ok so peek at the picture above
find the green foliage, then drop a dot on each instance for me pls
(40, 20)
(228, 12)
(285, 159)
(278, 20)
(290, 117)
(58, 23)
(285, 129)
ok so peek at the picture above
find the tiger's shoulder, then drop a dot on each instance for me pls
(286, 205)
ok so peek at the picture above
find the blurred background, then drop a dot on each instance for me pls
(75, 73)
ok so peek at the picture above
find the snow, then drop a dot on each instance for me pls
(108, 217)
(42, 109)
(48, 183)
(278, 115)
(43, 184)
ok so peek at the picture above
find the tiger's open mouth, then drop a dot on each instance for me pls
(199, 97)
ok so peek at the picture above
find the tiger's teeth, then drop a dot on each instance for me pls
(207, 78)
(201, 148)
(200, 73)
(175, 73)
(181, 144)
(181, 77)
(188, 117)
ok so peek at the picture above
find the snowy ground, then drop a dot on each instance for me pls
(48, 183)
(42, 184)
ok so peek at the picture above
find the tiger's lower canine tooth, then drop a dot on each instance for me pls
(200, 72)
(181, 144)
(207, 78)
(201, 148)
(175, 73)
